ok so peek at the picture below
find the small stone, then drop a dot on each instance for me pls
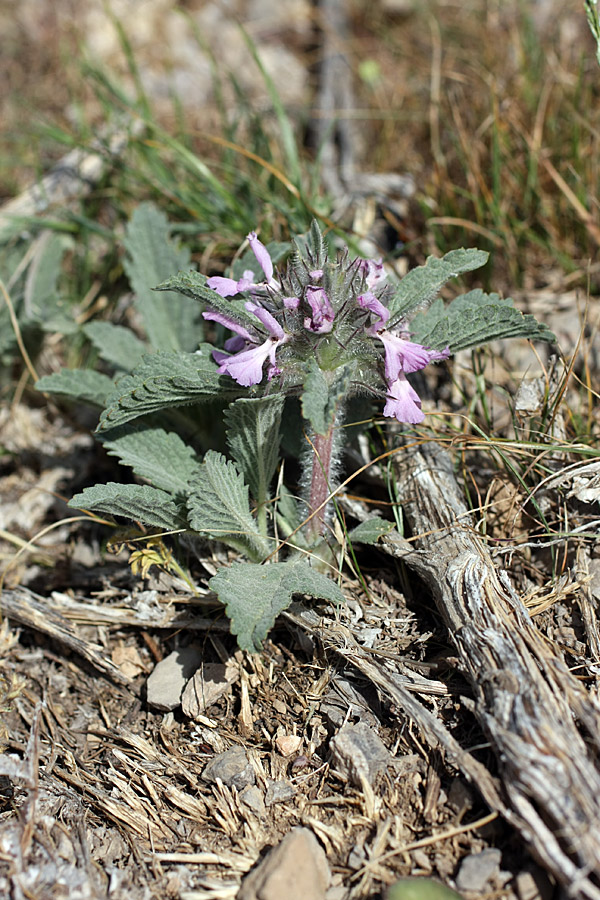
(209, 683)
(232, 767)
(253, 798)
(533, 884)
(357, 856)
(288, 744)
(278, 792)
(169, 677)
(296, 869)
(359, 753)
(337, 892)
(478, 869)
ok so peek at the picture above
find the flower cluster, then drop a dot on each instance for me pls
(333, 311)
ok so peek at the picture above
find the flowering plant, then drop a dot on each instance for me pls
(308, 337)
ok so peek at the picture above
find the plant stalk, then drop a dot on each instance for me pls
(322, 461)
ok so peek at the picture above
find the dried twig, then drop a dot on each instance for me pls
(543, 725)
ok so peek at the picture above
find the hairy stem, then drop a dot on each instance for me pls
(320, 487)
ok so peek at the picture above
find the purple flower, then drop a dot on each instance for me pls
(405, 356)
(373, 271)
(403, 402)
(321, 321)
(214, 316)
(402, 356)
(246, 367)
(369, 301)
(262, 255)
(227, 287)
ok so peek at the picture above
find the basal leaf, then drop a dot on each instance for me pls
(420, 286)
(255, 595)
(78, 384)
(464, 325)
(159, 456)
(116, 344)
(219, 508)
(139, 502)
(253, 437)
(165, 380)
(171, 321)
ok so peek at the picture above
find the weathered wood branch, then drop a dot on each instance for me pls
(543, 725)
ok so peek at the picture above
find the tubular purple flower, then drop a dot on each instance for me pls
(291, 302)
(403, 402)
(405, 356)
(323, 313)
(369, 301)
(262, 255)
(270, 323)
(227, 287)
(212, 315)
(247, 367)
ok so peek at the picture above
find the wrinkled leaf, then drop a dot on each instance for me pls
(139, 502)
(422, 285)
(253, 437)
(255, 595)
(219, 507)
(78, 384)
(164, 380)
(193, 284)
(171, 321)
(159, 456)
(475, 318)
(116, 344)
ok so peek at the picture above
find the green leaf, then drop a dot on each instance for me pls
(159, 456)
(219, 508)
(369, 531)
(193, 284)
(475, 318)
(116, 344)
(171, 322)
(165, 380)
(253, 438)
(139, 502)
(43, 274)
(78, 384)
(417, 888)
(420, 286)
(255, 595)
(320, 399)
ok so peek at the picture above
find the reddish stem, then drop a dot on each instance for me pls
(320, 482)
